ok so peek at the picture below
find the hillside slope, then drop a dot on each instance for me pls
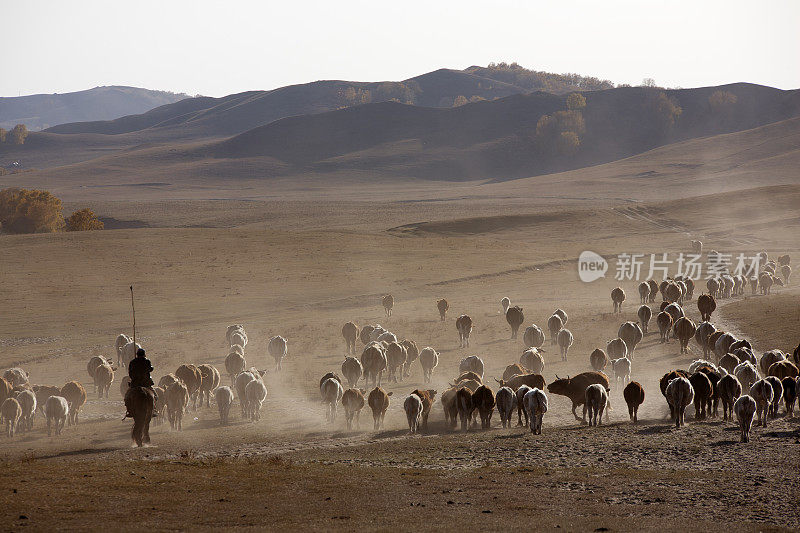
(498, 139)
(240, 112)
(41, 111)
(763, 156)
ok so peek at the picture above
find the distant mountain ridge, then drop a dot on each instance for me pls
(237, 113)
(41, 111)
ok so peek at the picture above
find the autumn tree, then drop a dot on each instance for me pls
(389, 91)
(648, 82)
(568, 142)
(460, 100)
(352, 96)
(560, 133)
(84, 220)
(667, 111)
(17, 134)
(3, 134)
(576, 101)
(30, 211)
(720, 100)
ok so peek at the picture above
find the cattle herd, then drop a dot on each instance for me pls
(730, 373)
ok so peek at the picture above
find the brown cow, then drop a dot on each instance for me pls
(729, 362)
(465, 406)
(75, 395)
(789, 394)
(427, 397)
(783, 369)
(484, 401)
(515, 318)
(513, 370)
(634, 397)
(235, 363)
(364, 336)
(684, 331)
(193, 379)
(706, 305)
(442, 306)
(353, 402)
(449, 406)
(412, 354)
(598, 359)
(711, 340)
(664, 321)
(714, 376)
(378, 401)
(388, 304)
(103, 377)
(177, 399)
(653, 290)
(554, 324)
(575, 388)
(703, 392)
(210, 381)
(42, 392)
(464, 328)
(350, 334)
(92, 365)
(617, 297)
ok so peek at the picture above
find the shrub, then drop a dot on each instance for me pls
(30, 211)
(83, 220)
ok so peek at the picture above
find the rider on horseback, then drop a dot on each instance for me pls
(139, 371)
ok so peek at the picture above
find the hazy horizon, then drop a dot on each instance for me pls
(199, 48)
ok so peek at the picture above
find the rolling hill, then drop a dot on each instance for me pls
(41, 111)
(196, 140)
(498, 139)
(237, 113)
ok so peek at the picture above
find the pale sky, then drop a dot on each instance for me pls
(221, 47)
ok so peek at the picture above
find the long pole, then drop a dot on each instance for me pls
(133, 307)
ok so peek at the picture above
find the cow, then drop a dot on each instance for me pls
(484, 402)
(703, 392)
(634, 397)
(378, 401)
(442, 306)
(595, 402)
(426, 397)
(679, 394)
(535, 406)
(465, 406)
(729, 390)
(506, 400)
(464, 327)
(413, 408)
(575, 388)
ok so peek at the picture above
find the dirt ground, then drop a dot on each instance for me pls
(302, 270)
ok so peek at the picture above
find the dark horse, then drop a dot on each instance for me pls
(139, 402)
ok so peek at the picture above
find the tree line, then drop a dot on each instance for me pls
(17, 135)
(38, 211)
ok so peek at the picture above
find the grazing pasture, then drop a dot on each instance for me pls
(68, 299)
